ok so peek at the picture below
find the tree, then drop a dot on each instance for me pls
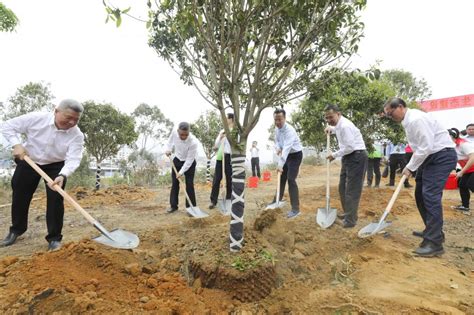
(206, 128)
(34, 96)
(150, 123)
(406, 85)
(8, 19)
(105, 130)
(360, 100)
(251, 55)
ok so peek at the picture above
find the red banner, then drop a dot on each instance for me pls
(448, 103)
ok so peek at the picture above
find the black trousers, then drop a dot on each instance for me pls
(351, 181)
(24, 182)
(189, 178)
(290, 172)
(466, 185)
(431, 177)
(373, 167)
(218, 177)
(255, 162)
(396, 161)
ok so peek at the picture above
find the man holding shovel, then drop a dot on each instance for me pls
(433, 159)
(55, 143)
(224, 151)
(288, 148)
(354, 162)
(185, 147)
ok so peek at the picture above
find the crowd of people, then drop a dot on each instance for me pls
(55, 143)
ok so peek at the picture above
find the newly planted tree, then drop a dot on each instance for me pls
(105, 130)
(246, 56)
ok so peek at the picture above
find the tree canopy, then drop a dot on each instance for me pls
(406, 85)
(32, 97)
(8, 19)
(150, 123)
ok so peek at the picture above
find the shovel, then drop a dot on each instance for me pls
(225, 205)
(277, 204)
(117, 238)
(374, 228)
(326, 216)
(192, 210)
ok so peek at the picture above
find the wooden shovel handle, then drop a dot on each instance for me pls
(60, 190)
(394, 197)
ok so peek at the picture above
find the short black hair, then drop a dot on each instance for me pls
(183, 126)
(279, 111)
(395, 102)
(454, 132)
(230, 116)
(469, 125)
(332, 107)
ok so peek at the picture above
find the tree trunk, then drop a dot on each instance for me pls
(238, 202)
(97, 177)
(208, 171)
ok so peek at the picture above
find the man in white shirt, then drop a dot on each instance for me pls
(55, 143)
(469, 133)
(433, 159)
(288, 148)
(255, 160)
(353, 152)
(223, 152)
(185, 147)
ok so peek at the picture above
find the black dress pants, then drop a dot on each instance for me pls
(255, 162)
(218, 177)
(189, 178)
(24, 182)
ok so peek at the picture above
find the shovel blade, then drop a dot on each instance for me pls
(326, 217)
(275, 205)
(119, 239)
(196, 212)
(372, 229)
(225, 206)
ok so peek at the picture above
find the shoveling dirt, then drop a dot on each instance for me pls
(183, 265)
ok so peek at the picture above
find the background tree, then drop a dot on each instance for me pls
(151, 124)
(105, 130)
(251, 55)
(406, 85)
(360, 100)
(206, 128)
(32, 97)
(8, 19)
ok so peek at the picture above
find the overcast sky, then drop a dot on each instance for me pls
(67, 43)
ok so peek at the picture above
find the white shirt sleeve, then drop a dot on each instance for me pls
(424, 140)
(190, 157)
(73, 156)
(346, 146)
(12, 128)
(288, 140)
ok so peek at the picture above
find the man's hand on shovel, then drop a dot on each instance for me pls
(19, 151)
(57, 181)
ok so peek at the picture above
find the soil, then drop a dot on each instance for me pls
(183, 265)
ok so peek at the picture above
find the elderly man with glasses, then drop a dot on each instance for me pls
(433, 159)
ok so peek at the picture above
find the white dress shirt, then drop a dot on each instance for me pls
(254, 152)
(469, 138)
(46, 144)
(218, 143)
(425, 136)
(184, 150)
(464, 149)
(286, 140)
(348, 137)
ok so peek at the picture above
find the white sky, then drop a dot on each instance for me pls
(66, 43)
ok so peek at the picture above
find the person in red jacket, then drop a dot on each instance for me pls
(465, 152)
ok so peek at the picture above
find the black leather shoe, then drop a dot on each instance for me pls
(171, 210)
(54, 245)
(347, 225)
(417, 233)
(341, 216)
(429, 249)
(9, 239)
(212, 205)
(408, 186)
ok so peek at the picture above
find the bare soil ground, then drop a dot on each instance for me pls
(183, 265)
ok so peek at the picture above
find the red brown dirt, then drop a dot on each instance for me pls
(316, 271)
